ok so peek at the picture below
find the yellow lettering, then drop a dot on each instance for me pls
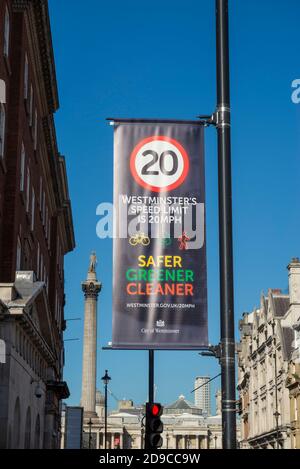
(142, 261)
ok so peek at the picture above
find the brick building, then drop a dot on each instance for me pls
(36, 230)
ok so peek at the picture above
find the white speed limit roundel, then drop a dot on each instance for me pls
(159, 163)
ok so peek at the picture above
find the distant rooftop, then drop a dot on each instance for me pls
(181, 405)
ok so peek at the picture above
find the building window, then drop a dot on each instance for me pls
(28, 191)
(2, 129)
(42, 268)
(32, 209)
(49, 233)
(27, 442)
(19, 254)
(38, 261)
(41, 193)
(35, 129)
(31, 106)
(22, 179)
(46, 223)
(44, 208)
(6, 33)
(26, 74)
(37, 433)
(17, 425)
(295, 408)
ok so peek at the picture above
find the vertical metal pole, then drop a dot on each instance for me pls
(151, 376)
(150, 393)
(225, 227)
(105, 419)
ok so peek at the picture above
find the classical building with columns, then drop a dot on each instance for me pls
(267, 377)
(184, 427)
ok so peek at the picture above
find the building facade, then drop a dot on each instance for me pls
(184, 427)
(36, 230)
(293, 385)
(202, 394)
(293, 378)
(264, 356)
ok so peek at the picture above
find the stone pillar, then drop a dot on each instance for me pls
(91, 288)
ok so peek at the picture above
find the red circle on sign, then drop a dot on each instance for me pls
(186, 164)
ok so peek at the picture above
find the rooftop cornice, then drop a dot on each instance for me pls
(39, 10)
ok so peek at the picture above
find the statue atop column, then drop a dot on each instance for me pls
(93, 262)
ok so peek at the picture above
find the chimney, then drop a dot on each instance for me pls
(294, 281)
(276, 291)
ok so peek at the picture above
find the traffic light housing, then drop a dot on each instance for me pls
(154, 426)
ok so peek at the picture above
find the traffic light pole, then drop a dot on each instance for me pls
(151, 376)
(222, 116)
(150, 395)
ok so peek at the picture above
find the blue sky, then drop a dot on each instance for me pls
(157, 59)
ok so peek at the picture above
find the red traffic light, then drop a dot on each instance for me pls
(154, 426)
(156, 410)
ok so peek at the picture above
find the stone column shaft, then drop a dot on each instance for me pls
(91, 288)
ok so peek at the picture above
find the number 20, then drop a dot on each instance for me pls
(155, 158)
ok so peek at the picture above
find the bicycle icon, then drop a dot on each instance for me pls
(139, 238)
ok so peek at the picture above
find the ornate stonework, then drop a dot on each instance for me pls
(91, 289)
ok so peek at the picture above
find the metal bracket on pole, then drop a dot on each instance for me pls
(212, 351)
(222, 117)
(219, 119)
(208, 120)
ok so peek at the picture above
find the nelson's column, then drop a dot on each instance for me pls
(91, 288)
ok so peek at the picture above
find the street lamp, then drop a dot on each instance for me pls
(216, 439)
(106, 379)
